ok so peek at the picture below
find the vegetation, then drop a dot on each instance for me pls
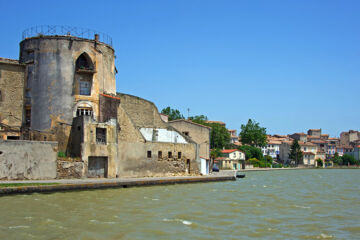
(173, 114)
(319, 162)
(296, 153)
(219, 136)
(61, 154)
(258, 163)
(349, 160)
(252, 134)
(201, 119)
(337, 160)
(5, 185)
(251, 152)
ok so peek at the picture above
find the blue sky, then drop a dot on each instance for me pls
(290, 65)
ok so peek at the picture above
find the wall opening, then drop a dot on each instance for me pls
(97, 167)
(179, 154)
(169, 154)
(84, 75)
(149, 154)
(159, 154)
(84, 111)
(101, 135)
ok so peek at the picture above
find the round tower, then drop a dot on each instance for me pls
(66, 73)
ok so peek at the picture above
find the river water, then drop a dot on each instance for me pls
(291, 204)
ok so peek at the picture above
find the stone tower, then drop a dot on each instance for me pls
(65, 75)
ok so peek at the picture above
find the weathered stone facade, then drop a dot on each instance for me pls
(140, 157)
(11, 98)
(27, 160)
(197, 132)
(63, 89)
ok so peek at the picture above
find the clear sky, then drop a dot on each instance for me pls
(290, 65)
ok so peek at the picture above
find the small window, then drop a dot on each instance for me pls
(179, 154)
(186, 133)
(101, 135)
(149, 154)
(169, 154)
(159, 154)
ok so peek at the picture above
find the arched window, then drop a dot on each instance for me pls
(84, 62)
(84, 74)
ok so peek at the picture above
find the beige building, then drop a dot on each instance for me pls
(310, 153)
(231, 159)
(12, 75)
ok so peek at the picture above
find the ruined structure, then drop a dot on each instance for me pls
(66, 92)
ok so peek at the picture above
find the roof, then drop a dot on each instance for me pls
(274, 142)
(109, 96)
(302, 134)
(9, 61)
(314, 129)
(324, 135)
(229, 150)
(218, 122)
(188, 121)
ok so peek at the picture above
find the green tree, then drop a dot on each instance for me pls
(337, 159)
(349, 160)
(251, 152)
(219, 136)
(201, 119)
(252, 134)
(296, 153)
(173, 114)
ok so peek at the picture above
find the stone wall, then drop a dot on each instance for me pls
(143, 113)
(70, 168)
(135, 113)
(11, 97)
(196, 132)
(27, 160)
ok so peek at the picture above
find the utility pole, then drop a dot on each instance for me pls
(188, 110)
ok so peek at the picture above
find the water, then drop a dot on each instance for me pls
(302, 204)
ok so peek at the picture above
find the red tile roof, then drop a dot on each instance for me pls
(308, 153)
(229, 150)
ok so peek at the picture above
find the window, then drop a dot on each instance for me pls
(84, 111)
(304, 148)
(179, 154)
(85, 87)
(169, 154)
(101, 135)
(149, 154)
(186, 133)
(159, 154)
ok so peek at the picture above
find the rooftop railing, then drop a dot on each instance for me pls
(56, 30)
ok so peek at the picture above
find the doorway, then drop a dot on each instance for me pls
(97, 167)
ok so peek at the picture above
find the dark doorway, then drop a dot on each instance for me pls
(188, 165)
(97, 167)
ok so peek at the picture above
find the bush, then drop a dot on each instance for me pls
(257, 163)
(348, 159)
(277, 165)
(319, 162)
(61, 154)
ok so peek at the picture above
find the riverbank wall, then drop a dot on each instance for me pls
(88, 184)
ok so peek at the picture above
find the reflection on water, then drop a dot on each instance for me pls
(302, 204)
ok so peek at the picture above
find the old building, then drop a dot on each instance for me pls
(11, 98)
(231, 159)
(63, 89)
(200, 134)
